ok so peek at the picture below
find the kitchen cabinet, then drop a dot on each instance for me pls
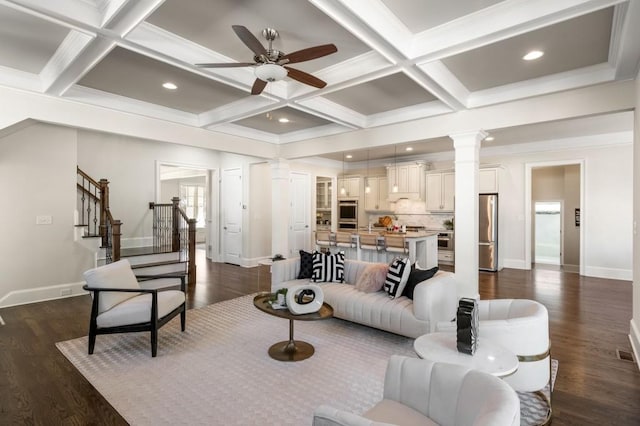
(351, 184)
(440, 191)
(378, 197)
(488, 181)
(409, 178)
(323, 194)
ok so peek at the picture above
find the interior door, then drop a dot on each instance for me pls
(300, 229)
(231, 203)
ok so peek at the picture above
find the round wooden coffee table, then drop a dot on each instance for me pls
(291, 350)
(489, 357)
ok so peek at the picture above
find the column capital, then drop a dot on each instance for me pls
(468, 139)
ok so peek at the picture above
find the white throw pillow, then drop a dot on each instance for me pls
(397, 277)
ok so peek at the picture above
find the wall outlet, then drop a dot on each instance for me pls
(44, 220)
(65, 292)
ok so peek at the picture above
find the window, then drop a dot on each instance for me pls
(192, 201)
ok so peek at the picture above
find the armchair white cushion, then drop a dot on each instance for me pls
(521, 326)
(422, 392)
(120, 305)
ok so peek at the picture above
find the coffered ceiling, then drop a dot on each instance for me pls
(397, 60)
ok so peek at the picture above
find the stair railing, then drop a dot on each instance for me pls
(95, 215)
(174, 231)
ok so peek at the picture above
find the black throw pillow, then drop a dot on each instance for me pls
(416, 276)
(306, 264)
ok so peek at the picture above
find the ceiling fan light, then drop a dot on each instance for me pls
(270, 72)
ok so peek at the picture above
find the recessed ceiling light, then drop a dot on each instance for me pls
(283, 120)
(489, 138)
(533, 55)
(349, 156)
(169, 85)
(409, 148)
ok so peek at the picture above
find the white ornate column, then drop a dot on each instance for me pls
(467, 161)
(280, 206)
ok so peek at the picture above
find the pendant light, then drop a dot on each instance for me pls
(343, 191)
(395, 163)
(367, 188)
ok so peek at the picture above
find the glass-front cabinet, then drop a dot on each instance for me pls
(324, 190)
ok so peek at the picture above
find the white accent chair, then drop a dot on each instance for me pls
(120, 305)
(422, 392)
(521, 326)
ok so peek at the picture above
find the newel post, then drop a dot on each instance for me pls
(104, 207)
(192, 252)
(115, 249)
(175, 233)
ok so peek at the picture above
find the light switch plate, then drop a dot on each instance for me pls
(44, 220)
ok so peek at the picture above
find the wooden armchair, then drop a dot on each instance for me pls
(120, 305)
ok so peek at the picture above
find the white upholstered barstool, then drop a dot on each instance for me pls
(324, 239)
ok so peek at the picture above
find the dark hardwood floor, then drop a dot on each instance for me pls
(589, 320)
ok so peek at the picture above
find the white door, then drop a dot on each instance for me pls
(231, 206)
(300, 229)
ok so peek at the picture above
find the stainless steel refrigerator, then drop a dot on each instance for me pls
(488, 235)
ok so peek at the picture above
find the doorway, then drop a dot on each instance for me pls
(192, 184)
(548, 232)
(555, 182)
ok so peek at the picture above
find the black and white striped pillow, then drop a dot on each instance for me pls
(328, 267)
(397, 277)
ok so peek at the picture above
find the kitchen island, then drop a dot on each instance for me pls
(422, 246)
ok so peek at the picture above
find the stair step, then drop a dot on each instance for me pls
(159, 268)
(152, 264)
(91, 236)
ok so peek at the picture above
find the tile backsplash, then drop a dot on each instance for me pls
(412, 212)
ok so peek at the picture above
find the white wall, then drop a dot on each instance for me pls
(634, 333)
(38, 177)
(608, 207)
(130, 166)
(260, 211)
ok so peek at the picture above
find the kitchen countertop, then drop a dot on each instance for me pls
(408, 234)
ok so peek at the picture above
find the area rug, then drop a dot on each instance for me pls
(218, 371)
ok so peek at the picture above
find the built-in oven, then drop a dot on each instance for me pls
(445, 240)
(446, 253)
(348, 214)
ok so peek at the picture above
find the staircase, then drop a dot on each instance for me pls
(172, 253)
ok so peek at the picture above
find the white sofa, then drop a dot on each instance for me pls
(421, 392)
(434, 300)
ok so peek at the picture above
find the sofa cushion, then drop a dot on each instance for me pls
(416, 276)
(306, 264)
(397, 277)
(328, 267)
(372, 278)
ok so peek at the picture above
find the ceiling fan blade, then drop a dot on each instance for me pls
(258, 86)
(305, 78)
(226, 65)
(309, 53)
(249, 40)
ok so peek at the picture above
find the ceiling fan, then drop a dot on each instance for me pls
(271, 63)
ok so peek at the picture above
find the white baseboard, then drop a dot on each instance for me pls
(515, 264)
(41, 294)
(571, 268)
(608, 273)
(634, 338)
